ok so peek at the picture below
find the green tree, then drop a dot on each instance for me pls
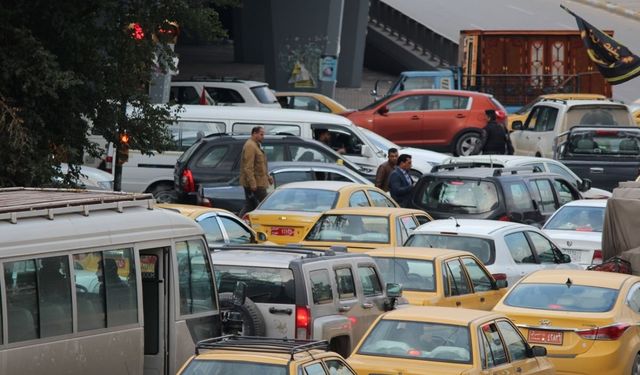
(70, 64)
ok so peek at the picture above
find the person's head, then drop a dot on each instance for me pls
(257, 134)
(491, 114)
(392, 155)
(404, 161)
(324, 136)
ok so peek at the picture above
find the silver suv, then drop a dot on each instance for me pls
(304, 294)
(223, 91)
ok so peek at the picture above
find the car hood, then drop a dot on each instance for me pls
(595, 193)
(423, 159)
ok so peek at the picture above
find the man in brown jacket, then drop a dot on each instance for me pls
(254, 175)
(385, 169)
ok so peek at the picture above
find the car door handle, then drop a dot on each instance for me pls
(275, 310)
(481, 299)
(596, 170)
(458, 303)
(367, 305)
(460, 115)
(415, 117)
(344, 308)
(518, 369)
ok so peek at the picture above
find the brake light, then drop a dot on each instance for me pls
(457, 183)
(607, 132)
(188, 185)
(612, 332)
(504, 218)
(108, 164)
(597, 257)
(303, 322)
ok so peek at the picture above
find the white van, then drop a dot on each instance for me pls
(154, 174)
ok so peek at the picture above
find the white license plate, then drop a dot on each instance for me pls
(576, 255)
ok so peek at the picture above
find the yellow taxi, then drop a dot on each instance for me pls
(264, 356)
(309, 101)
(522, 113)
(587, 320)
(445, 340)
(364, 228)
(440, 277)
(288, 212)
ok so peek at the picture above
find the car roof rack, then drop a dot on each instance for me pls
(515, 170)
(261, 344)
(451, 166)
(205, 78)
(289, 248)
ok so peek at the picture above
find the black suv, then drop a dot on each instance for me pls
(216, 158)
(524, 195)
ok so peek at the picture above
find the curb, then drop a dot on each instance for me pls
(613, 8)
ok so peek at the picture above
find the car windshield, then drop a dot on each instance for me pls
(379, 141)
(300, 199)
(375, 104)
(350, 228)
(199, 367)
(620, 143)
(563, 297)
(264, 284)
(597, 115)
(577, 218)
(482, 248)
(462, 196)
(413, 274)
(264, 94)
(418, 340)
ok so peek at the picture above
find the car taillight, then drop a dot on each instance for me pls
(303, 322)
(108, 164)
(246, 219)
(597, 257)
(612, 332)
(504, 218)
(188, 185)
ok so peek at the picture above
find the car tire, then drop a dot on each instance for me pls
(164, 193)
(635, 368)
(467, 144)
(253, 322)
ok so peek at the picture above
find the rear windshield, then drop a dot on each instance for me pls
(418, 340)
(580, 219)
(199, 367)
(264, 285)
(308, 200)
(350, 228)
(187, 154)
(413, 274)
(597, 115)
(264, 94)
(605, 142)
(482, 248)
(562, 297)
(463, 196)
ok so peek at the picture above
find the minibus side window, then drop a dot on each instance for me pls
(91, 304)
(22, 300)
(54, 296)
(195, 281)
(119, 282)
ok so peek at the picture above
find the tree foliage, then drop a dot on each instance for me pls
(70, 64)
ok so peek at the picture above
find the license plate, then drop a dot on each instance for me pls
(576, 255)
(545, 337)
(283, 231)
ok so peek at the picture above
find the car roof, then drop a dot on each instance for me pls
(307, 164)
(373, 211)
(578, 277)
(324, 185)
(583, 102)
(275, 256)
(505, 160)
(440, 92)
(191, 211)
(424, 253)
(587, 203)
(468, 226)
(446, 315)
(574, 96)
(273, 358)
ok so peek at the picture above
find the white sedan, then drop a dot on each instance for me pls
(577, 228)
(504, 247)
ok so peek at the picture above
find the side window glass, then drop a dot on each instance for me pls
(422, 219)
(458, 279)
(324, 108)
(282, 178)
(532, 120)
(358, 199)
(406, 104)
(304, 153)
(565, 193)
(213, 157)
(542, 247)
(321, 287)
(89, 291)
(408, 223)
(211, 229)
(519, 248)
(535, 166)
(547, 201)
(315, 369)
(346, 286)
(192, 131)
(224, 96)
(22, 300)
(447, 102)
(337, 367)
(54, 296)
(479, 277)
(119, 283)
(194, 275)
(236, 232)
(515, 344)
(380, 200)
(370, 281)
(274, 152)
(518, 198)
(496, 354)
(562, 172)
(184, 95)
(331, 176)
(550, 115)
(633, 299)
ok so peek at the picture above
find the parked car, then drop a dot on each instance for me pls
(446, 340)
(440, 277)
(265, 356)
(544, 164)
(230, 195)
(443, 120)
(223, 91)
(522, 113)
(90, 178)
(303, 294)
(550, 118)
(520, 194)
(310, 101)
(577, 228)
(364, 228)
(588, 321)
(216, 160)
(503, 247)
(286, 214)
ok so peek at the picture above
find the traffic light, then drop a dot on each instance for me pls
(135, 31)
(167, 32)
(123, 148)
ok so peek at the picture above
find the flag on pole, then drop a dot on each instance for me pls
(616, 63)
(203, 98)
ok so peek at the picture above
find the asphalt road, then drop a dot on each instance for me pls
(448, 17)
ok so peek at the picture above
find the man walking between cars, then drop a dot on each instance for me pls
(400, 182)
(385, 169)
(495, 139)
(254, 176)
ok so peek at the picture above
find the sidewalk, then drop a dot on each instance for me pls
(627, 8)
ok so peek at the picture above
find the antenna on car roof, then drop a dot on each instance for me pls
(456, 220)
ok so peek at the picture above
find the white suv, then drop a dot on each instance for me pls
(223, 91)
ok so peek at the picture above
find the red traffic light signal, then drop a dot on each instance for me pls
(167, 32)
(135, 31)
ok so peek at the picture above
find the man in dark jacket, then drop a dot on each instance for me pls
(385, 169)
(400, 182)
(495, 139)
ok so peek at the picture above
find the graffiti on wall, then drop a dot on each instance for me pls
(300, 57)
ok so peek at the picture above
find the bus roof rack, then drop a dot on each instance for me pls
(261, 344)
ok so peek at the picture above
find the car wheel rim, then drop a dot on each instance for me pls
(636, 366)
(468, 145)
(164, 197)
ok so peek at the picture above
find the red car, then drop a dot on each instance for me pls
(443, 120)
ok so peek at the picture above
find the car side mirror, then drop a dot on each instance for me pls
(538, 351)
(500, 281)
(383, 110)
(564, 258)
(261, 236)
(394, 290)
(584, 185)
(239, 293)
(517, 125)
(366, 151)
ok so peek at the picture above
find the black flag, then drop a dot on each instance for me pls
(616, 63)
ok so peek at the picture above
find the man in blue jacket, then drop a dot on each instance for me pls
(400, 182)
